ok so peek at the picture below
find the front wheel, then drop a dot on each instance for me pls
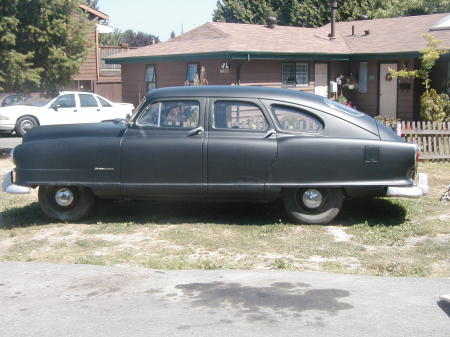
(66, 203)
(25, 124)
(313, 205)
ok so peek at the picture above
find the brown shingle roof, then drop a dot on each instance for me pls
(392, 35)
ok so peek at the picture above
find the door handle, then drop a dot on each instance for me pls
(75, 110)
(270, 133)
(195, 131)
(98, 109)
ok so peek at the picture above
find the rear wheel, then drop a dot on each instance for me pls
(66, 203)
(313, 205)
(25, 124)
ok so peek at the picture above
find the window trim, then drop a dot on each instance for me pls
(153, 127)
(296, 85)
(211, 117)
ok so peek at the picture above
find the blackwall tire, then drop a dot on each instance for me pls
(24, 124)
(330, 205)
(79, 206)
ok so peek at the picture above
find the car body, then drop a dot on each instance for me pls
(220, 143)
(67, 108)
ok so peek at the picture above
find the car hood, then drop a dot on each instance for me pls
(109, 129)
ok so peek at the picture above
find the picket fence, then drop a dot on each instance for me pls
(433, 138)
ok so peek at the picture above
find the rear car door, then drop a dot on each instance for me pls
(241, 147)
(89, 109)
(161, 154)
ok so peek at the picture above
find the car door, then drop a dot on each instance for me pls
(241, 147)
(63, 110)
(89, 111)
(161, 154)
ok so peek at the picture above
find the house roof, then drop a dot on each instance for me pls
(235, 41)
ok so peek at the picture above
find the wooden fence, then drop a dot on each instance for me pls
(433, 138)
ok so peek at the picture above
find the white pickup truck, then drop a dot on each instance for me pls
(70, 107)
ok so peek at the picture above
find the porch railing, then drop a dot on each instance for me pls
(433, 138)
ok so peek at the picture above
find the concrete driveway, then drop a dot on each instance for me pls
(39, 299)
(7, 141)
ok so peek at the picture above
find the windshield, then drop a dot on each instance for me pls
(342, 107)
(36, 101)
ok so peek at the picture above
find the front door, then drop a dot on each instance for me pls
(161, 154)
(388, 91)
(321, 79)
(241, 147)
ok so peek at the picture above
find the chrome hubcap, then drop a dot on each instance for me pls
(64, 197)
(312, 198)
(26, 125)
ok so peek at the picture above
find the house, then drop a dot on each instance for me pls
(94, 75)
(348, 58)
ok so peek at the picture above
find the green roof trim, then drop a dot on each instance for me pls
(229, 56)
(385, 56)
(263, 56)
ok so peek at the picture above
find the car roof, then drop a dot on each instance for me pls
(235, 91)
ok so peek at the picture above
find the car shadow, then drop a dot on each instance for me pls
(445, 307)
(373, 211)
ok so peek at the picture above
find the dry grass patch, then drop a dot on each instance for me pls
(374, 236)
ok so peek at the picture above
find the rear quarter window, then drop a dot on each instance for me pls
(295, 120)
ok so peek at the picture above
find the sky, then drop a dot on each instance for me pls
(158, 17)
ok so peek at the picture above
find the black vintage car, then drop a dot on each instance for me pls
(219, 143)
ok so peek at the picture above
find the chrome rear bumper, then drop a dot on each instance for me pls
(8, 185)
(416, 191)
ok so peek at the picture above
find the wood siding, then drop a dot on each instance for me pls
(89, 69)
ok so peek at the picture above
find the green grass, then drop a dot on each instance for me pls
(397, 237)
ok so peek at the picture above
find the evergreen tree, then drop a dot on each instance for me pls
(92, 3)
(133, 39)
(42, 44)
(172, 34)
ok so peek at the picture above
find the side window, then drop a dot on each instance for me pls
(238, 115)
(87, 101)
(65, 101)
(171, 114)
(150, 77)
(104, 103)
(292, 119)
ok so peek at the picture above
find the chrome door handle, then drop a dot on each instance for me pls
(195, 131)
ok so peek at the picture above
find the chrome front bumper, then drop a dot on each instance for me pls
(8, 185)
(416, 191)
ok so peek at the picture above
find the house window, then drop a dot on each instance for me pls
(150, 77)
(295, 74)
(363, 77)
(192, 73)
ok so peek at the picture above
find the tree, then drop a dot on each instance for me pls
(92, 3)
(42, 44)
(315, 13)
(130, 37)
(433, 106)
(172, 34)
